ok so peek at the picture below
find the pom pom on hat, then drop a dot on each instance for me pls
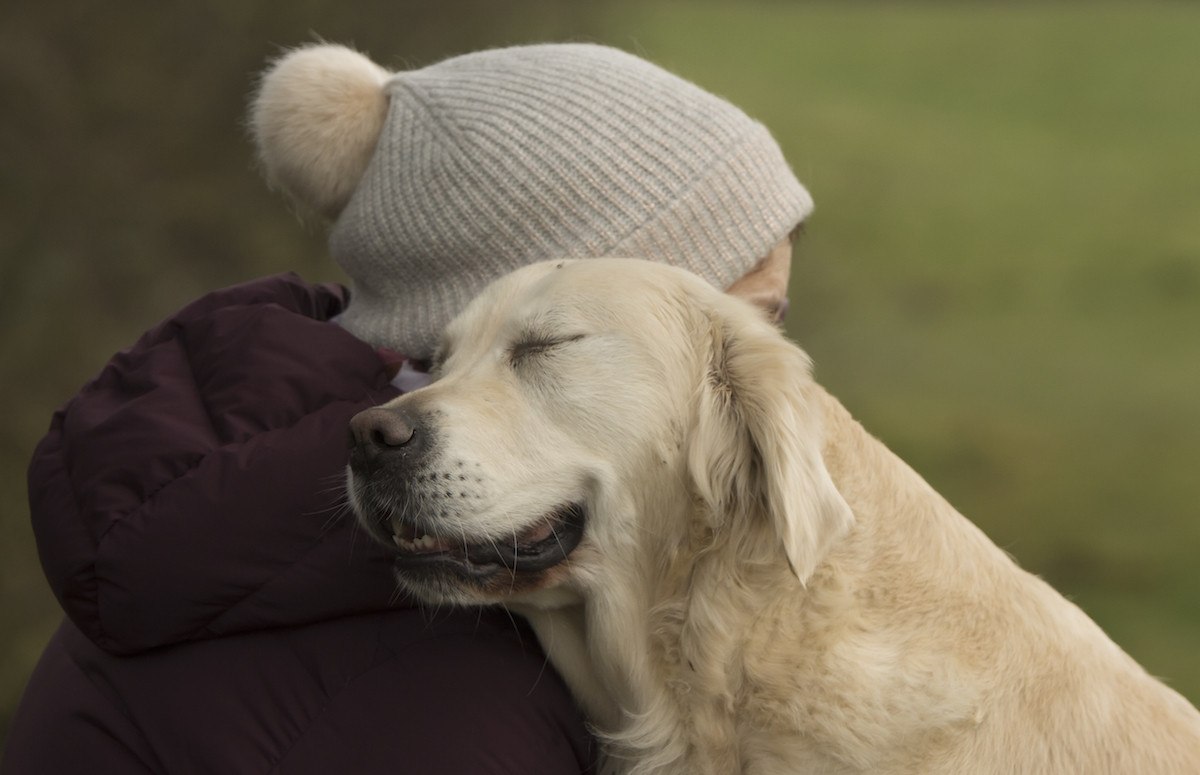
(316, 118)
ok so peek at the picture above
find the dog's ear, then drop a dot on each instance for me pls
(756, 450)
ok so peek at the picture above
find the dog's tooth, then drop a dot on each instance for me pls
(396, 539)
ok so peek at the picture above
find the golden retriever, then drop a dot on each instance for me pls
(729, 572)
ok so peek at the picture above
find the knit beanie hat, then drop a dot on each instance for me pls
(444, 178)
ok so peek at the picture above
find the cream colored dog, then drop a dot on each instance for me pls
(731, 574)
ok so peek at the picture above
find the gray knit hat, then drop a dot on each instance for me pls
(445, 178)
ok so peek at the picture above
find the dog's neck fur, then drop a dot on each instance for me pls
(882, 681)
(680, 672)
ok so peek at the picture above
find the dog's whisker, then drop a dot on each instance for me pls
(332, 479)
(321, 511)
(515, 626)
(339, 511)
(337, 485)
(355, 531)
(545, 657)
(566, 555)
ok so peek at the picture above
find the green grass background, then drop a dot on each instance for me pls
(1002, 278)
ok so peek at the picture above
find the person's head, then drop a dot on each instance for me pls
(441, 179)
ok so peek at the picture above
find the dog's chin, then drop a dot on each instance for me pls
(461, 570)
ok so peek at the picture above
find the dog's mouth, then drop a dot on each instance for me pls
(545, 544)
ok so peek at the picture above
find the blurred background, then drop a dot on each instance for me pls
(1001, 280)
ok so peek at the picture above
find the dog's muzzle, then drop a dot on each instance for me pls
(393, 460)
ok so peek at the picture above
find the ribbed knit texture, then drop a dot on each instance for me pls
(500, 158)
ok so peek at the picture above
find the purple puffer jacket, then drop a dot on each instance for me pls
(224, 613)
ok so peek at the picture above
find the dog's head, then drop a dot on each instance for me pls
(589, 417)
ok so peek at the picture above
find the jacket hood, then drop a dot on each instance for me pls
(194, 487)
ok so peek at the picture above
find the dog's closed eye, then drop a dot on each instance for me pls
(534, 346)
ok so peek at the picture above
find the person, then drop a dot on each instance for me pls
(223, 613)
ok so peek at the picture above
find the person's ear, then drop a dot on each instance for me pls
(766, 285)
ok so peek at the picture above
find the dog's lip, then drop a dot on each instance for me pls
(543, 545)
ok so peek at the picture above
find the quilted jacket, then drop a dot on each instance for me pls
(224, 613)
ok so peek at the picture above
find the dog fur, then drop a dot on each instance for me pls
(761, 586)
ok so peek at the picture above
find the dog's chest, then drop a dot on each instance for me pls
(754, 686)
(696, 686)
(721, 719)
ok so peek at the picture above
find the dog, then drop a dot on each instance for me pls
(729, 572)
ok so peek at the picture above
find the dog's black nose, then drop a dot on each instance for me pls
(379, 430)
